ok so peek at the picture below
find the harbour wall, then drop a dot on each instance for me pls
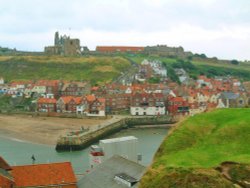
(79, 141)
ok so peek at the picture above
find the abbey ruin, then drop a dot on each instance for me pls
(64, 45)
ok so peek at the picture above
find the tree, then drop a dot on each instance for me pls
(235, 62)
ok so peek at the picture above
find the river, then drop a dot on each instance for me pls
(17, 152)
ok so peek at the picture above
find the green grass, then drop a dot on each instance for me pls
(95, 69)
(208, 139)
(4, 101)
(204, 141)
(139, 58)
(241, 66)
(195, 67)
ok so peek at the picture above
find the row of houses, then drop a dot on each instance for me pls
(149, 69)
(138, 99)
(45, 88)
(89, 105)
(152, 104)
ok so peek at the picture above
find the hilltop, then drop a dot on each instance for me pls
(194, 154)
(93, 69)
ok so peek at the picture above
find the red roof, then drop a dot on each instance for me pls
(90, 98)
(158, 95)
(15, 83)
(77, 100)
(66, 99)
(5, 181)
(176, 99)
(101, 100)
(47, 82)
(95, 88)
(44, 174)
(4, 165)
(46, 101)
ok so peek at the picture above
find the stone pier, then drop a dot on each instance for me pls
(81, 140)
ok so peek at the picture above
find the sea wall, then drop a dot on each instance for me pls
(79, 141)
(83, 140)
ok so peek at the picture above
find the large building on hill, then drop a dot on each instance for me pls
(167, 51)
(64, 45)
(117, 49)
(157, 50)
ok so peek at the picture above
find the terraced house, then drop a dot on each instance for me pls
(75, 89)
(147, 104)
(46, 105)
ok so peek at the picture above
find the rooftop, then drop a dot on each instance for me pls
(4, 165)
(126, 177)
(120, 139)
(103, 175)
(44, 174)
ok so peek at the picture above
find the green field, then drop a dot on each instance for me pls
(200, 144)
(98, 70)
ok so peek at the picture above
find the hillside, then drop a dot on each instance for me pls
(196, 66)
(94, 69)
(101, 69)
(189, 156)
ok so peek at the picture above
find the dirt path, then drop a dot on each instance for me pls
(44, 130)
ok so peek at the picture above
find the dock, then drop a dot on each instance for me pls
(82, 139)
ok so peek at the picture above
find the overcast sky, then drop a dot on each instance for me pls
(218, 28)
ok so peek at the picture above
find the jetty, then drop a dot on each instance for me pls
(81, 139)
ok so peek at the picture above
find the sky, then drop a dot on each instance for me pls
(218, 28)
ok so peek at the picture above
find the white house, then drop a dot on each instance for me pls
(1, 80)
(147, 111)
(148, 104)
(39, 89)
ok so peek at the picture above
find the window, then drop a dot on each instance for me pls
(241, 101)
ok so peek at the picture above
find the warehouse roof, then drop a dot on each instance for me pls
(104, 174)
(120, 139)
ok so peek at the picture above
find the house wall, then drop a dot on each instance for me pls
(100, 114)
(1, 81)
(60, 106)
(80, 109)
(150, 111)
(39, 89)
(43, 107)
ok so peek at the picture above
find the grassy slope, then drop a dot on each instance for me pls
(202, 142)
(205, 66)
(95, 69)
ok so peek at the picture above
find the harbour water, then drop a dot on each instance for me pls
(17, 152)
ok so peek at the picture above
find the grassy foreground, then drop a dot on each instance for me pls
(94, 69)
(189, 156)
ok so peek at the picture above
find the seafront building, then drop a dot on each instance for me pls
(117, 172)
(126, 147)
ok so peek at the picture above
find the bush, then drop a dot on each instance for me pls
(235, 62)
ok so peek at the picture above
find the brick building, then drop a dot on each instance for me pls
(147, 104)
(46, 105)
